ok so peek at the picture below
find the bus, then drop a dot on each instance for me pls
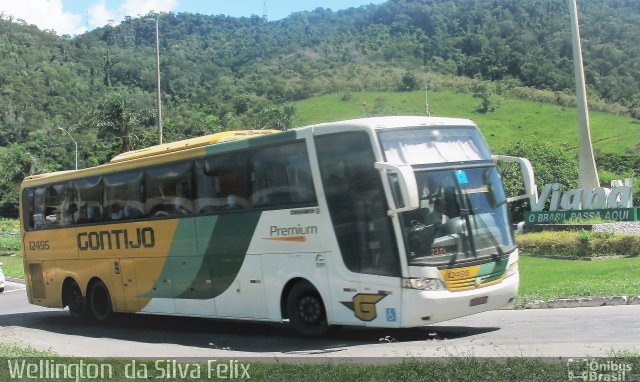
(388, 222)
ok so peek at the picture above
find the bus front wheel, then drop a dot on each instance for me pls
(100, 301)
(306, 311)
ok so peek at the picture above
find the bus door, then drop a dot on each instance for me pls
(366, 290)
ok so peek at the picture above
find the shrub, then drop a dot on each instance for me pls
(9, 242)
(551, 164)
(583, 244)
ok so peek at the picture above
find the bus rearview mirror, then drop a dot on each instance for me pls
(526, 170)
(407, 184)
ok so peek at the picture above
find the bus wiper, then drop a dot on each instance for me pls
(493, 239)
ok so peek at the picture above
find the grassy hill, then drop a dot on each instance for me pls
(512, 119)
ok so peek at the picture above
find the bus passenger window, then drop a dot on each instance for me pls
(38, 208)
(168, 190)
(281, 176)
(221, 184)
(69, 205)
(54, 198)
(89, 200)
(27, 209)
(123, 195)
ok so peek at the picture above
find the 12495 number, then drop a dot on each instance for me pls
(41, 245)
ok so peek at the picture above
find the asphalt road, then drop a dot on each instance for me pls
(571, 332)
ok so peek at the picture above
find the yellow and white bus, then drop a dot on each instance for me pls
(381, 222)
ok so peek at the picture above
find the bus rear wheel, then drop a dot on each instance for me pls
(306, 311)
(100, 302)
(76, 302)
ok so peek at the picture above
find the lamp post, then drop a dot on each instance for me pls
(74, 142)
(158, 101)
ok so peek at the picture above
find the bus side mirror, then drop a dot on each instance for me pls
(526, 170)
(406, 184)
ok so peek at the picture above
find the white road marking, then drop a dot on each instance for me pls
(14, 290)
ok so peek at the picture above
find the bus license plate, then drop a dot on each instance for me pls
(478, 300)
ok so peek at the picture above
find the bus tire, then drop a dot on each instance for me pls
(306, 311)
(100, 301)
(73, 298)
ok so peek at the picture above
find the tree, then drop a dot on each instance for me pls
(634, 107)
(409, 82)
(116, 117)
(551, 164)
(485, 91)
(274, 118)
(16, 163)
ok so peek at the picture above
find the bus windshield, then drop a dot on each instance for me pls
(463, 215)
(444, 144)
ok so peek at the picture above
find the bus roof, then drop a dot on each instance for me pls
(226, 136)
(157, 150)
(400, 121)
(130, 159)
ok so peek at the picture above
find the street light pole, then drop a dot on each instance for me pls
(74, 142)
(158, 101)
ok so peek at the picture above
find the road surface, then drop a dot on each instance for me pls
(571, 332)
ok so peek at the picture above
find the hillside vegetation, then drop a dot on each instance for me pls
(221, 73)
(512, 119)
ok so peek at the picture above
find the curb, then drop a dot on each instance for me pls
(583, 302)
(14, 280)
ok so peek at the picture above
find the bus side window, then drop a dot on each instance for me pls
(90, 198)
(221, 183)
(168, 190)
(38, 208)
(69, 205)
(357, 204)
(27, 209)
(281, 176)
(53, 200)
(205, 198)
(123, 195)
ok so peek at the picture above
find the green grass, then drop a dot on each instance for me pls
(9, 242)
(13, 266)
(455, 369)
(13, 350)
(548, 279)
(513, 118)
(10, 248)
(464, 368)
(9, 225)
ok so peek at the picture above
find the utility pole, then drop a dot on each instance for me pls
(587, 173)
(427, 112)
(264, 11)
(158, 101)
(74, 142)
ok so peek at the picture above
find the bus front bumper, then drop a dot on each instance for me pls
(427, 307)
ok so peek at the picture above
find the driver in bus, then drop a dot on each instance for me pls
(426, 224)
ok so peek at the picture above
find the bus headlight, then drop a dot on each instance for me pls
(422, 283)
(512, 269)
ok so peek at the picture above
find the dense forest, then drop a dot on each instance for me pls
(222, 73)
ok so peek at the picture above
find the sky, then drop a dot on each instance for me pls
(74, 17)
